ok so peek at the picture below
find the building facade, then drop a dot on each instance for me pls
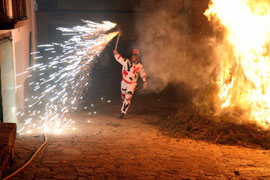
(17, 40)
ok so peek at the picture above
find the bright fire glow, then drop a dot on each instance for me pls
(60, 77)
(244, 79)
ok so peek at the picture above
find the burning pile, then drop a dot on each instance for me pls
(57, 82)
(244, 78)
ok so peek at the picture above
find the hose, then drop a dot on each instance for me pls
(29, 161)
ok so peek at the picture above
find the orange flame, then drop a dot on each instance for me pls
(244, 79)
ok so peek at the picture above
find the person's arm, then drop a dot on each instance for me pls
(143, 76)
(118, 57)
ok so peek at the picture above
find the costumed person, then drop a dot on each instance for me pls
(131, 69)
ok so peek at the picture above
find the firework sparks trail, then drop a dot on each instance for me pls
(59, 82)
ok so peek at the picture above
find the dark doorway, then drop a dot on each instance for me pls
(1, 107)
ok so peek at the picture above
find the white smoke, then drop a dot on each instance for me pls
(170, 54)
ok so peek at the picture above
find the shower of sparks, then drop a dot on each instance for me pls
(57, 82)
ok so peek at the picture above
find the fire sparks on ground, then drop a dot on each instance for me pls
(244, 79)
(59, 79)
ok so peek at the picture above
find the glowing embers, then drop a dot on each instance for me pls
(56, 84)
(244, 78)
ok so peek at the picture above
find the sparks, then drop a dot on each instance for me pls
(59, 82)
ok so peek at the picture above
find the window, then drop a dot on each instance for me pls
(3, 9)
(11, 11)
(18, 9)
(15, 12)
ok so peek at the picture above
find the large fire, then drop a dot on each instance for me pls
(244, 79)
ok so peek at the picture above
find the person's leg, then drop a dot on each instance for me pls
(123, 95)
(129, 93)
(123, 90)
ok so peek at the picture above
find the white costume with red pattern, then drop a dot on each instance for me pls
(130, 73)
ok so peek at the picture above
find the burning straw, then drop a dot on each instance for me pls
(227, 74)
(244, 77)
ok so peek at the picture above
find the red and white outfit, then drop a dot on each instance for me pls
(130, 73)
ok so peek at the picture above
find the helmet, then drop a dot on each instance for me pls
(135, 52)
(135, 55)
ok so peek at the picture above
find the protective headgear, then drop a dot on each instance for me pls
(135, 52)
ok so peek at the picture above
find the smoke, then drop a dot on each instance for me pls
(171, 51)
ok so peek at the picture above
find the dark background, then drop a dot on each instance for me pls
(106, 72)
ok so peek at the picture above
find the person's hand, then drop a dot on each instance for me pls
(120, 32)
(115, 52)
(144, 85)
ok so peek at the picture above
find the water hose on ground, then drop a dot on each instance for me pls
(29, 161)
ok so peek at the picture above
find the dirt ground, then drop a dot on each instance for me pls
(105, 147)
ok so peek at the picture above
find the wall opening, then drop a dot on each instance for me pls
(7, 81)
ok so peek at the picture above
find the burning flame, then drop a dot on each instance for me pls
(244, 79)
